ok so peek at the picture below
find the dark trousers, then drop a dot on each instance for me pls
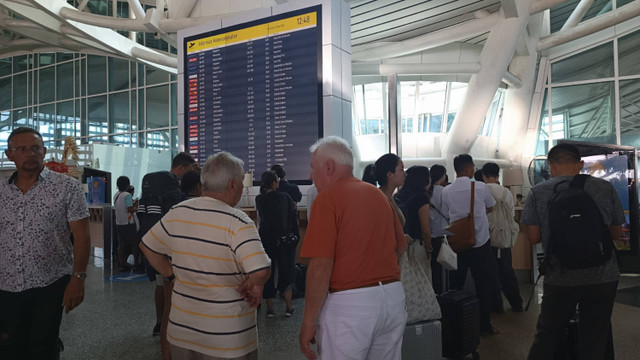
(483, 270)
(128, 243)
(436, 269)
(283, 258)
(595, 303)
(507, 280)
(31, 321)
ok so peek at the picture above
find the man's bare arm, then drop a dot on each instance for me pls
(159, 262)
(318, 279)
(533, 233)
(74, 293)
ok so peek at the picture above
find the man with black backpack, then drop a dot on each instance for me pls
(575, 217)
(161, 191)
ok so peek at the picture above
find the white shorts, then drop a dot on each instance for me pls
(366, 323)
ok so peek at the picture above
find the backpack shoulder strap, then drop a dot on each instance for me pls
(579, 180)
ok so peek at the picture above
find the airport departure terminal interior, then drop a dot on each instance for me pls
(119, 87)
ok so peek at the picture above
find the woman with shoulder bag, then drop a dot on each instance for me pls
(278, 229)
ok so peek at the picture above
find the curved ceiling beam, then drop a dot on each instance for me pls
(146, 54)
(428, 41)
(137, 8)
(166, 25)
(591, 26)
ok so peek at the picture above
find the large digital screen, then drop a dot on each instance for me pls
(255, 90)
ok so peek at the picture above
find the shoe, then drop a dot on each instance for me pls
(490, 332)
(288, 312)
(270, 313)
(156, 330)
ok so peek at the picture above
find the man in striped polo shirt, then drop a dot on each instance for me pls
(218, 267)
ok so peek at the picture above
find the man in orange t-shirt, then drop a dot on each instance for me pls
(355, 303)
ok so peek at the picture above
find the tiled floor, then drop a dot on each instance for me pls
(116, 320)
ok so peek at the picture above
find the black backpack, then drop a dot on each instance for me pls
(579, 237)
(160, 191)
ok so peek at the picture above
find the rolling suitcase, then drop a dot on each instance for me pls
(422, 341)
(460, 324)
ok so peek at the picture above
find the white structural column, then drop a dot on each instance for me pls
(494, 61)
(577, 14)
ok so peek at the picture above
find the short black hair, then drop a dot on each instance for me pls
(368, 175)
(279, 171)
(182, 159)
(385, 163)
(461, 161)
(437, 172)
(266, 180)
(123, 183)
(564, 153)
(23, 130)
(189, 181)
(477, 175)
(491, 169)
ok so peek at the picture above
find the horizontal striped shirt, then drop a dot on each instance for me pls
(213, 248)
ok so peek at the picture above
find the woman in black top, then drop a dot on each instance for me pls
(415, 204)
(278, 217)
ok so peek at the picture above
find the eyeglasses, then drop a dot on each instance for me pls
(26, 149)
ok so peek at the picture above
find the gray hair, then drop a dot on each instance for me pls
(334, 148)
(218, 170)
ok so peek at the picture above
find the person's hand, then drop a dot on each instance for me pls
(428, 248)
(307, 337)
(251, 293)
(73, 294)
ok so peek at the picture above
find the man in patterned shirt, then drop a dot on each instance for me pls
(218, 267)
(41, 270)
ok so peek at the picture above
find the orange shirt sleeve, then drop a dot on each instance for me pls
(322, 230)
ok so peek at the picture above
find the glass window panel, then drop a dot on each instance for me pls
(630, 112)
(5, 66)
(435, 123)
(140, 74)
(628, 54)
(20, 90)
(31, 88)
(134, 110)
(587, 112)
(158, 140)
(98, 7)
(66, 121)
(173, 101)
(591, 64)
(47, 59)
(77, 77)
(21, 117)
(119, 113)
(97, 116)
(369, 106)
(64, 81)
(151, 42)
(562, 12)
(141, 109)
(157, 107)
(84, 128)
(450, 118)
(47, 123)
(60, 57)
(620, 3)
(5, 93)
(156, 76)
(5, 128)
(46, 84)
(20, 63)
(118, 74)
(97, 74)
(174, 142)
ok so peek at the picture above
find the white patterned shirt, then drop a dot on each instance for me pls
(35, 238)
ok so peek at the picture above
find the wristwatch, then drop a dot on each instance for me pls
(80, 275)
(170, 278)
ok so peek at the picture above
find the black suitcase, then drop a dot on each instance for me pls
(460, 324)
(568, 347)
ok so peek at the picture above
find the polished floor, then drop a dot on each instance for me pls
(117, 317)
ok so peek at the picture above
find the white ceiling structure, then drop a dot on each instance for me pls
(379, 29)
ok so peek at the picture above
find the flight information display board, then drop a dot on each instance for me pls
(255, 90)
